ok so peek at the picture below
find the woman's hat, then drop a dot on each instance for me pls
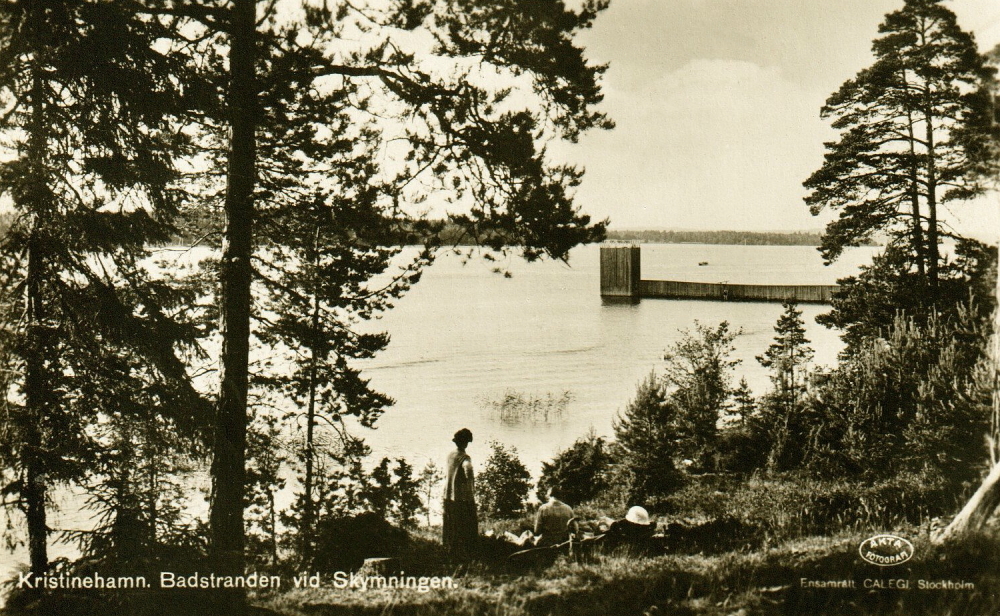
(637, 515)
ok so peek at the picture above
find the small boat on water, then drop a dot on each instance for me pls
(700, 263)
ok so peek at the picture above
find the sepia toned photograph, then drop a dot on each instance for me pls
(499, 307)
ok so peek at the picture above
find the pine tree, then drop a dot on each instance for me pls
(306, 95)
(786, 357)
(317, 279)
(789, 352)
(904, 147)
(980, 507)
(267, 452)
(745, 405)
(430, 477)
(88, 169)
(649, 442)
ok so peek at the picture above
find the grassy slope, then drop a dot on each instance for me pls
(743, 583)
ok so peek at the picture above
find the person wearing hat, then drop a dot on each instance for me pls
(635, 531)
(460, 529)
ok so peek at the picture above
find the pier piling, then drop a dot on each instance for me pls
(620, 272)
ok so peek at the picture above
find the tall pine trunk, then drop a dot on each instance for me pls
(917, 232)
(309, 509)
(995, 360)
(34, 488)
(933, 250)
(229, 462)
(37, 390)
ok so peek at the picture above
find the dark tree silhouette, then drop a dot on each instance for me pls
(87, 166)
(460, 94)
(789, 351)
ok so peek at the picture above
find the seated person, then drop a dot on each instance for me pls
(551, 524)
(636, 530)
(552, 520)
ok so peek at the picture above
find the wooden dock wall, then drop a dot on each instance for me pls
(620, 272)
(819, 294)
(621, 279)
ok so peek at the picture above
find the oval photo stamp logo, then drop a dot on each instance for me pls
(886, 550)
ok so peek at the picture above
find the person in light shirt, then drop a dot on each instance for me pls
(552, 520)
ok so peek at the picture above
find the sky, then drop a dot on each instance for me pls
(717, 109)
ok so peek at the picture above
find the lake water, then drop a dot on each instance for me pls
(465, 337)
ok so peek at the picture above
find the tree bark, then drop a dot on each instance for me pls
(229, 461)
(933, 250)
(977, 511)
(37, 390)
(917, 232)
(34, 488)
(995, 357)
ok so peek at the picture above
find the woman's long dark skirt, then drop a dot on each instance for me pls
(460, 527)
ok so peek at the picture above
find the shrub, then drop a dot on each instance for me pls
(795, 505)
(648, 441)
(580, 471)
(791, 505)
(345, 543)
(394, 494)
(503, 485)
(917, 400)
(741, 449)
(697, 376)
(344, 490)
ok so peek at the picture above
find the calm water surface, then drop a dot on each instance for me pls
(464, 337)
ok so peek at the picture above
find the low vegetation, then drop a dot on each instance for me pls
(764, 582)
(518, 408)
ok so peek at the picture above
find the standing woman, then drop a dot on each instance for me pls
(460, 528)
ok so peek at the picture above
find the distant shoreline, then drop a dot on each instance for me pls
(748, 238)
(204, 228)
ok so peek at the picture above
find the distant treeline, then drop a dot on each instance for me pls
(205, 225)
(753, 238)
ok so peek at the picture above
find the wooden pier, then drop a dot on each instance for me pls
(621, 280)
